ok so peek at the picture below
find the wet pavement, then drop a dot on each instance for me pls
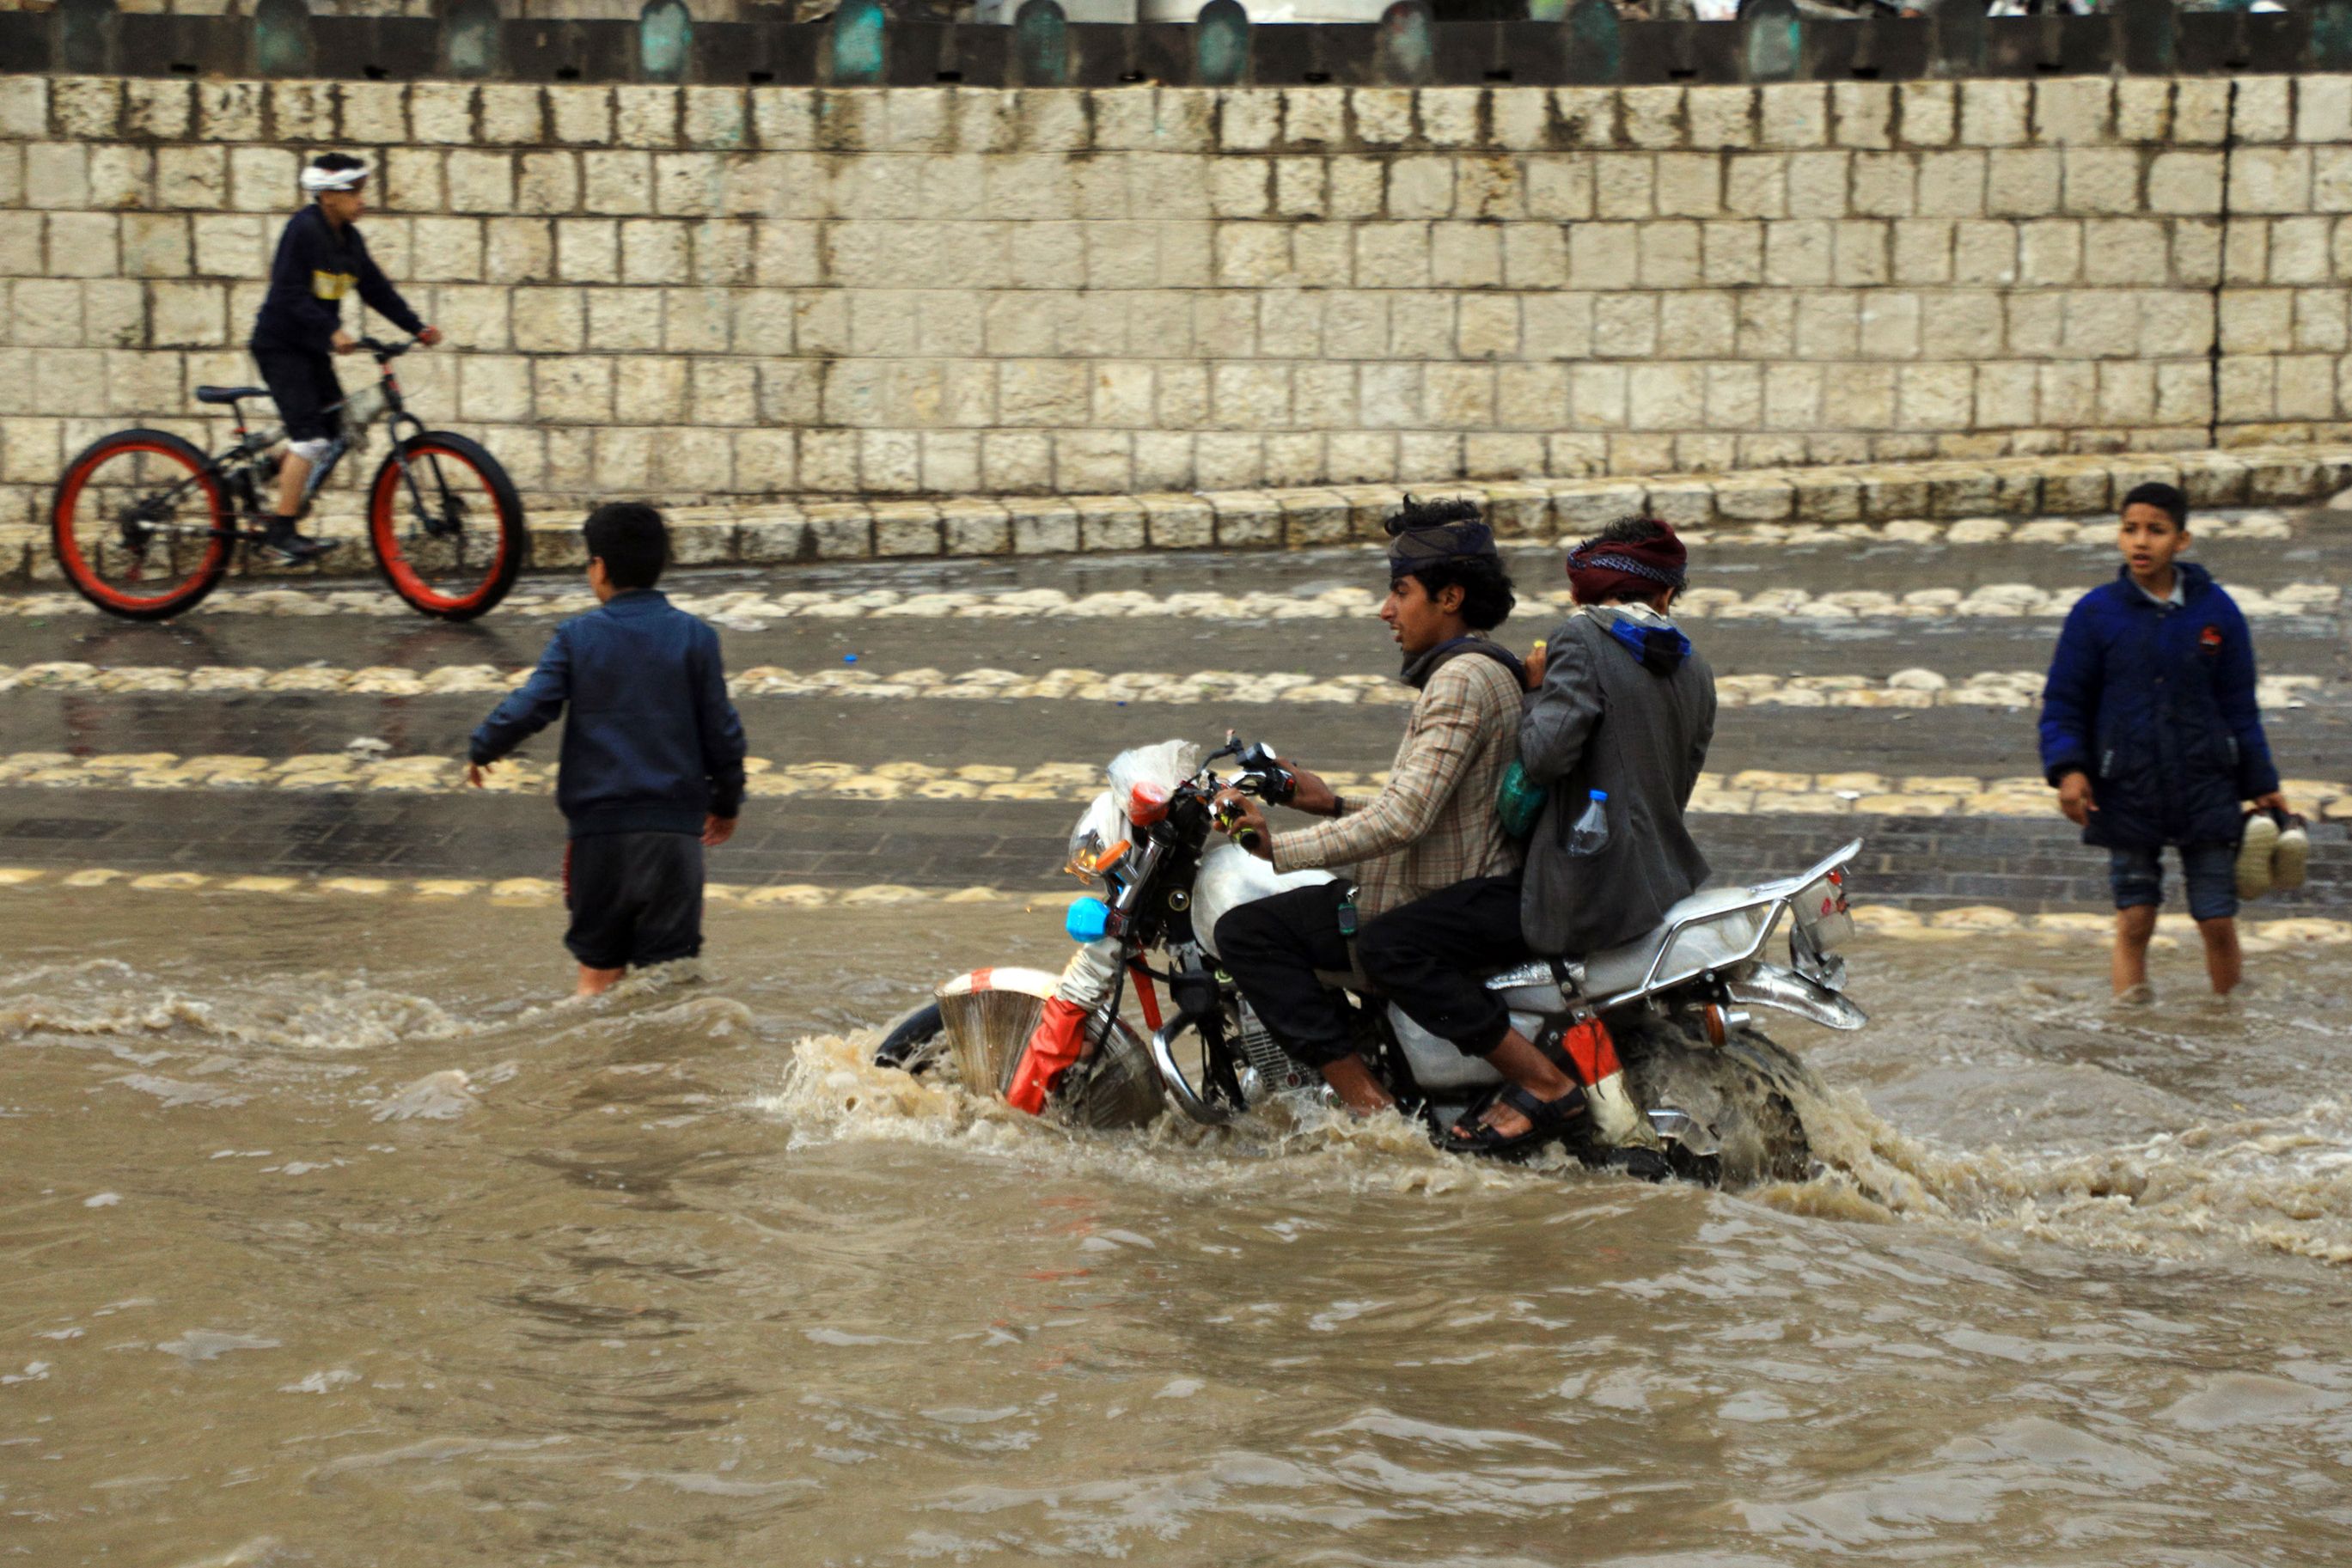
(1861, 619)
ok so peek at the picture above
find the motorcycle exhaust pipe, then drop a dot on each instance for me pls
(1188, 1099)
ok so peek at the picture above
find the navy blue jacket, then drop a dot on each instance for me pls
(653, 745)
(2156, 703)
(317, 265)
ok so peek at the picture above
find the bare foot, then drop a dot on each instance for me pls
(1357, 1089)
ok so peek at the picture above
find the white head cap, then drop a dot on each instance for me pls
(315, 180)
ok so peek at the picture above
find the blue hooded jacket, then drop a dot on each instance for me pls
(653, 745)
(2156, 703)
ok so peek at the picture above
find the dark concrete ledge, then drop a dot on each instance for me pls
(860, 46)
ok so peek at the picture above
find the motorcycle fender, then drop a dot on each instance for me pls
(1437, 1067)
(1770, 986)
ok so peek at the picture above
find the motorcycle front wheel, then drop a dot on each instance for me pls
(982, 1029)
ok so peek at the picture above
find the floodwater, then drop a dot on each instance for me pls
(326, 1240)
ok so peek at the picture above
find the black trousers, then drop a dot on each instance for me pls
(1272, 949)
(303, 385)
(1427, 955)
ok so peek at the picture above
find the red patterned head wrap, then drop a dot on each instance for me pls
(1613, 566)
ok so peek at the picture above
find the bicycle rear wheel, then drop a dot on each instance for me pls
(446, 527)
(141, 525)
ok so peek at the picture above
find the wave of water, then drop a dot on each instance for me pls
(2267, 1184)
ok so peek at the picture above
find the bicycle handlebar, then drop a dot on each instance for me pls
(384, 351)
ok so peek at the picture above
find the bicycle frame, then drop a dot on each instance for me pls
(236, 467)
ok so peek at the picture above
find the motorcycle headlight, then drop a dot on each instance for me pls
(1091, 860)
(1100, 840)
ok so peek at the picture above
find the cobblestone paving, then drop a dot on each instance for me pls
(928, 727)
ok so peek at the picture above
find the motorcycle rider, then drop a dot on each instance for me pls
(1624, 706)
(1431, 828)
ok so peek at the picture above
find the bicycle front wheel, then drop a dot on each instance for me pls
(141, 525)
(446, 525)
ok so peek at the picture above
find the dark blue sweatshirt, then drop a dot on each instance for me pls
(2156, 702)
(317, 265)
(653, 745)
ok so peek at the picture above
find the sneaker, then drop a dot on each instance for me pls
(2254, 847)
(292, 547)
(2288, 859)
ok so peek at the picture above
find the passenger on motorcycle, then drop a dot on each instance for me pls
(1622, 706)
(1432, 827)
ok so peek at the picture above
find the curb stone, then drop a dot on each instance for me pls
(782, 532)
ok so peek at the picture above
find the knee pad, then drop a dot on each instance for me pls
(313, 451)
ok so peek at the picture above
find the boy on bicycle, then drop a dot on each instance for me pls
(320, 258)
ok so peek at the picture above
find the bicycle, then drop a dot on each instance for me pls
(144, 523)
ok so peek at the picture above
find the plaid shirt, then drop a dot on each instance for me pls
(1434, 824)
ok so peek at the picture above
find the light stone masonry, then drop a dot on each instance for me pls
(737, 294)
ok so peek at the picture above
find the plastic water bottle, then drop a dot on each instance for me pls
(1591, 829)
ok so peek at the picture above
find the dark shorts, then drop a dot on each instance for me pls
(634, 898)
(304, 387)
(2210, 872)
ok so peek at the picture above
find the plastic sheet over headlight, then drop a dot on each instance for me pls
(1098, 841)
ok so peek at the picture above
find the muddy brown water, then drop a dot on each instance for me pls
(324, 1238)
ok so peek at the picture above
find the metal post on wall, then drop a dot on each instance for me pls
(2331, 35)
(1592, 44)
(665, 40)
(1404, 51)
(82, 36)
(1772, 40)
(473, 43)
(856, 48)
(283, 44)
(1221, 43)
(1041, 45)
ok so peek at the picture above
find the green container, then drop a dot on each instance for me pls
(1519, 802)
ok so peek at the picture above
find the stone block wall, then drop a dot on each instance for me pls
(716, 292)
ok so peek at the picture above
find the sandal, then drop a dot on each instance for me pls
(1547, 1120)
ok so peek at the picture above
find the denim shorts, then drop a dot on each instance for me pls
(2209, 870)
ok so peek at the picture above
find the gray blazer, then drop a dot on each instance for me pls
(1605, 719)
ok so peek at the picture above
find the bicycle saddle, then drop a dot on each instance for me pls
(229, 395)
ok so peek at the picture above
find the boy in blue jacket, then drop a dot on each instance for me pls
(2152, 735)
(651, 767)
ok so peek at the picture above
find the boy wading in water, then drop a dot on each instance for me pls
(652, 767)
(320, 258)
(2152, 735)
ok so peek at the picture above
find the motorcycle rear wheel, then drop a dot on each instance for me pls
(1748, 1089)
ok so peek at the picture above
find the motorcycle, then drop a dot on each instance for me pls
(1716, 1100)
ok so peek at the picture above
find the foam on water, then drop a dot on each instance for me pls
(2280, 1182)
(832, 1092)
(2277, 1184)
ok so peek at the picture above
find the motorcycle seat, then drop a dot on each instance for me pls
(1707, 938)
(229, 395)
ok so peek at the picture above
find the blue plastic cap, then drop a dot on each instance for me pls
(1088, 918)
(1600, 794)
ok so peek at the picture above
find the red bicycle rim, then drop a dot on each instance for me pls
(388, 510)
(68, 536)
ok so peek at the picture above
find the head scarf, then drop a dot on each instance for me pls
(1602, 569)
(1414, 547)
(315, 180)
